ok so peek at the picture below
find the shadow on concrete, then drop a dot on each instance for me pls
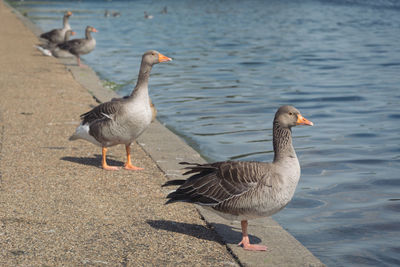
(92, 161)
(233, 235)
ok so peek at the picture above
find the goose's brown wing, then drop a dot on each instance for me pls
(51, 35)
(212, 184)
(72, 45)
(104, 110)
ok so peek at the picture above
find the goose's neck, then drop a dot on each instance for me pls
(88, 35)
(66, 23)
(143, 80)
(282, 141)
(67, 35)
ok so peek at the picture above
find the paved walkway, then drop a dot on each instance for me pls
(57, 206)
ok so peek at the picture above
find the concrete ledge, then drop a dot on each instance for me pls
(167, 150)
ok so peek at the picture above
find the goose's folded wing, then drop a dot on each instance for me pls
(214, 183)
(49, 35)
(104, 110)
(72, 44)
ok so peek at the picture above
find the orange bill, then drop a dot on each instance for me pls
(162, 58)
(73, 33)
(94, 30)
(303, 121)
(69, 13)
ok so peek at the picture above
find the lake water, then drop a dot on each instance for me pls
(236, 62)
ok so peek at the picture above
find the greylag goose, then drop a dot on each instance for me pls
(67, 35)
(52, 49)
(83, 46)
(57, 36)
(121, 120)
(239, 190)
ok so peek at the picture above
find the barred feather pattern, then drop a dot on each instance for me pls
(100, 112)
(247, 189)
(282, 141)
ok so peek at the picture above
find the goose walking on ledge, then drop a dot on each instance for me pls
(239, 190)
(121, 120)
(79, 47)
(57, 36)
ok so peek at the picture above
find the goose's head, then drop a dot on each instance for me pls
(289, 116)
(152, 57)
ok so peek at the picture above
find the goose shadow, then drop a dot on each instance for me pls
(230, 235)
(92, 161)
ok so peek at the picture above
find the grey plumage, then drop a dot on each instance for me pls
(55, 49)
(80, 46)
(121, 120)
(245, 190)
(57, 36)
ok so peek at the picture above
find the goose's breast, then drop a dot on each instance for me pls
(135, 119)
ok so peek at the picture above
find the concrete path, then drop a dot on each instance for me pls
(58, 207)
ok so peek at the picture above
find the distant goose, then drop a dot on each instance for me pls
(52, 49)
(114, 13)
(239, 190)
(61, 53)
(80, 47)
(147, 16)
(121, 120)
(57, 35)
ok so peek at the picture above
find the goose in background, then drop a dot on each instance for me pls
(82, 46)
(52, 49)
(116, 14)
(57, 36)
(239, 190)
(121, 120)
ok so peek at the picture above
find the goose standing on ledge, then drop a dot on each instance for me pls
(239, 190)
(52, 49)
(79, 47)
(57, 36)
(121, 120)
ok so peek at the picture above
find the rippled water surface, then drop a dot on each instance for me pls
(236, 62)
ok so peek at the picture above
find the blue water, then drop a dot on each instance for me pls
(236, 62)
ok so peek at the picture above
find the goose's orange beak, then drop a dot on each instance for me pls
(162, 58)
(303, 121)
(73, 33)
(94, 30)
(69, 13)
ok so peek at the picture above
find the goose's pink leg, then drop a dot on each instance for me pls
(246, 241)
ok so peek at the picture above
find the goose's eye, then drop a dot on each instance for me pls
(290, 113)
